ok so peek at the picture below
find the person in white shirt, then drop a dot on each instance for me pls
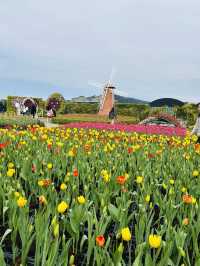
(196, 129)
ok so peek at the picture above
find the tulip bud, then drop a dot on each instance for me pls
(118, 236)
(102, 202)
(66, 179)
(30, 229)
(182, 252)
(86, 188)
(63, 238)
(53, 222)
(120, 248)
(71, 260)
(105, 210)
(56, 230)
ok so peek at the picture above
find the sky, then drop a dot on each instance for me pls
(66, 46)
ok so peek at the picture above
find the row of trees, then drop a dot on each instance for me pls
(187, 112)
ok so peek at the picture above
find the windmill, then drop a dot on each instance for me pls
(107, 99)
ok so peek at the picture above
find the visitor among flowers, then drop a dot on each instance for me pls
(196, 129)
(33, 110)
(112, 115)
(51, 113)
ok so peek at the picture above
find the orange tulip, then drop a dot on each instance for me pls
(197, 147)
(187, 199)
(75, 172)
(121, 179)
(42, 200)
(186, 221)
(100, 240)
(49, 146)
(130, 150)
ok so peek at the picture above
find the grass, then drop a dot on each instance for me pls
(71, 118)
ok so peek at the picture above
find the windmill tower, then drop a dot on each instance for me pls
(107, 99)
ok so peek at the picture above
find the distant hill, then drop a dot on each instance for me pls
(122, 99)
(118, 98)
(166, 102)
(83, 99)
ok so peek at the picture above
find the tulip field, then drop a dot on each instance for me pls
(74, 196)
(145, 129)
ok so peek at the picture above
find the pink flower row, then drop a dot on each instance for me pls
(146, 129)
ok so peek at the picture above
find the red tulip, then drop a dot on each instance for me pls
(121, 179)
(75, 172)
(100, 240)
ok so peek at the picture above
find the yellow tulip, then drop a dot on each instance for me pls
(81, 200)
(49, 166)
(183, 189)
(154, 241)
(62, 207)
(40, 183)
(63, 186)
(126, 234)
(139, 179)
(21, 202)
(195, 173)
(10, 172)
(147, 198)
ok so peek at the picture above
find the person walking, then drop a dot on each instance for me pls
(54, 112)
(196, 129)
(33, 110)
(112, 115)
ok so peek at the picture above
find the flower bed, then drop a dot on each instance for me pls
(19, 122)
(146, 129)
(97, 197)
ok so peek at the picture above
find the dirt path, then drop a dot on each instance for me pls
(48, 123)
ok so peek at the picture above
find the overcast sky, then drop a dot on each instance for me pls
(49, 45)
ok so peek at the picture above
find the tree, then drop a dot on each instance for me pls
(188, 113)
(56, 101)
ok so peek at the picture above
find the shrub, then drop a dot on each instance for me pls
(80, 108)
(56, 101)
(10, 103)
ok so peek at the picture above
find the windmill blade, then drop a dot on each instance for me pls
(95, 84)
(121, 93)
(113, 72)
(100, 88)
